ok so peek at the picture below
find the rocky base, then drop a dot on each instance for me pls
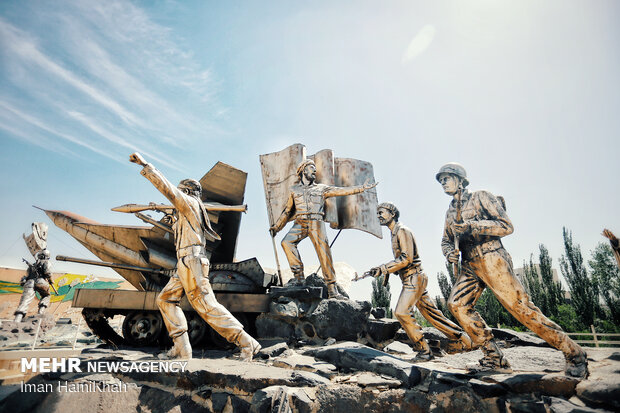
(344, 376)
(51, 333)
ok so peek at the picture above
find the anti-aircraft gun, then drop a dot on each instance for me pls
(145, 256)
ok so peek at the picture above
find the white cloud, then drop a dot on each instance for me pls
(419, 43)
(108, 67)
(29, 119)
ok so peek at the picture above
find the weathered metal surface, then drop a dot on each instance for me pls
(326, 174)
(357, 211)
(350, 212)
(278, 169)
(224, 184)
(37, 240)
(106, 264)
(136, 300)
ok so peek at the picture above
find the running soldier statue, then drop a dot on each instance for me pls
(191, 231)
(38, 280)
(408, 265)
(306, 201)
(475, 224)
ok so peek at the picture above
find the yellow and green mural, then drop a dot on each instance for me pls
(65, 285)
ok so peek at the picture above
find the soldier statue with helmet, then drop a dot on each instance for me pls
(37, 280)
(474, 225)
(191, 231)
(408, 265)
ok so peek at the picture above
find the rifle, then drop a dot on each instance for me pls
(459, 220)
(370, 273)
(33, 269)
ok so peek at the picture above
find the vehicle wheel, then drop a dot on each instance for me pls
(196, 328)
(142, 328)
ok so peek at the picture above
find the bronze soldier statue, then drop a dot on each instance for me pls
(307, 202)
(38, 280)
(191, 230)
(408, 265)
(475, 224)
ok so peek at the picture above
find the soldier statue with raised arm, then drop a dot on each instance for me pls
(475, 223)
(408, 265)
(306, 201)
(191, 231)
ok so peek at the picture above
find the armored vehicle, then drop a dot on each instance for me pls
(145, 256)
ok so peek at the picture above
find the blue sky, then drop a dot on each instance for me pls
(525, 94)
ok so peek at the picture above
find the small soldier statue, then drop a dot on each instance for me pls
(475, 223)
(38, 279)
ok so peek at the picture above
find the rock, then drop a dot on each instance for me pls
(367, 379)
(550, 384)
(382, 330)
(340, 319)
(268, 326)
(227, 375)
(273, 351)
(602, 389)
(557, 405)
(306, 363)
(485, 389)
(515, 338)
(378, 312)
(282, 399)
(313, 280)
(398, 347)
(284, 309)
(355, 356)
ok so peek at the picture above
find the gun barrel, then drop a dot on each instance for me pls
(109, 264)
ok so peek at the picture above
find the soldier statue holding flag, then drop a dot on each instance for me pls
(305, 203)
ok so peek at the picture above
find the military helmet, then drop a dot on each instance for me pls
(454, 169)
(390, 207)
(192, 185)
(43, 255)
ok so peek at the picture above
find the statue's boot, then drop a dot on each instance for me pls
(181, 349)
(577, 366)
(466, 343)
(425, 354)
(42, 309)
(18, 317)
(332, 292)
(298, 279)
(249, 347)
(493, 360)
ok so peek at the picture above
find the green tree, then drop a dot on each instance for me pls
(381, 295)
(493, 312)
(547, 294)
(583, 290)
(606, 275)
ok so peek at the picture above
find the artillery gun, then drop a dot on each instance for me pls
(145, 256)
